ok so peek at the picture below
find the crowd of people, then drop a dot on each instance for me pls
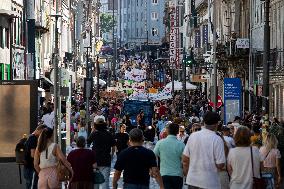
(196, 146)
(185, 145)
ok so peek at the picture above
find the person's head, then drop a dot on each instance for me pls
(242, 137)
(136, 137)
(82, 107)
(39, 129)
(211, 120)
(163, 117)
(173, 129)
(226, 131)
(181, 130)
(196, 127)
(237, 119)
(122, 128)
(271, 141)
(81, 142)
(100, 124)
(44, 138)
(99, 112)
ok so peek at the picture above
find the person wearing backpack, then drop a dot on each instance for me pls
(30, 174)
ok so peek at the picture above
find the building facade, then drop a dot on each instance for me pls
(142, 22)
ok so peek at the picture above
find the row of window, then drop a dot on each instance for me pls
(154, 16)
(154, 32)
(155, 2)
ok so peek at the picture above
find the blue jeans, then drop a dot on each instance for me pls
(31, 178)
(106, 172)
(134, 186)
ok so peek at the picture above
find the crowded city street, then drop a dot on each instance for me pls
(141, 94)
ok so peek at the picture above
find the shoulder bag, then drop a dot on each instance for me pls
(258, 183)
(98, 177)
(63, 172)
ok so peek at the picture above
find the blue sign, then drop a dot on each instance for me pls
(232, 98)
(205, 34)
(197, 39)
(133, 108)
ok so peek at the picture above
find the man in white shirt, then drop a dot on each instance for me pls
(205, 151)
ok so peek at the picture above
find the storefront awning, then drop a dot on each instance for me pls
(9, 13)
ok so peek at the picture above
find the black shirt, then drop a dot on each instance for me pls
(102, 143)
(30, 144)
(121, 141)
(136, 161)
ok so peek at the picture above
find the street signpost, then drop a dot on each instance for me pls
(232, 98)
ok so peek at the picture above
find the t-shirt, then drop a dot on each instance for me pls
(269, 157)
(121, 141)
(205, 149)
(162, 110)
(135, 163)
(30, 144)
(102, 143)
(82, 161)
(229, 141)
(240, 160)
(170, 152)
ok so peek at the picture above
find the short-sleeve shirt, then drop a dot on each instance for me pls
(239, 159)
(205, 149)
(170, 150)
(102, 141)
(269, 157)
(30, 144)
(82, 161)
(121, 141)
(135, 163)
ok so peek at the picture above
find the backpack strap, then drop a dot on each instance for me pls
(251, 157)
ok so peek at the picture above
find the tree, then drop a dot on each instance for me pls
(106, 22)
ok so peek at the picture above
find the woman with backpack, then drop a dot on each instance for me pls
(47, 156)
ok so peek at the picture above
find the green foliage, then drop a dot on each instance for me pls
(106, 22)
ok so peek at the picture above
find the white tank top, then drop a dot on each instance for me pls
(47, 159)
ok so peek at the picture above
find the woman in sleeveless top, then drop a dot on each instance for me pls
(271, 158)
(46, 158)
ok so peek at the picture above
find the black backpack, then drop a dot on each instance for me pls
(20, 151)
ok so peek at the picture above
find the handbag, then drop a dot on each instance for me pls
(98, 177)
(63, 172)
(258, 183)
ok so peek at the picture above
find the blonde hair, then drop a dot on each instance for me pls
(271, 142)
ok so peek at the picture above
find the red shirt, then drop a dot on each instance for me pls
(82, 161)
(162, 110)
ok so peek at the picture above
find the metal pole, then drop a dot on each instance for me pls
(214, 62)
(250, 61)
(87, 93)
(56, 83)
(98, 75)
(266, 58)
(183, 81)
(120, 31)
(113, 43)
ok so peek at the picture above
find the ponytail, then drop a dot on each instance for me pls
(43, 139)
